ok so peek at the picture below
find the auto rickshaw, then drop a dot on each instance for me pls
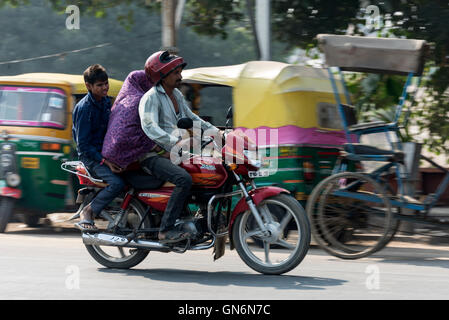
(289, 110)
(35, 136)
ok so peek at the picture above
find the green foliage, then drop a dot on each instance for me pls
(427, 19)
(230, 31)
(374, 91)
(297, 22)
(13, 3)
(38, 29)
(211, 17)
(100, 8)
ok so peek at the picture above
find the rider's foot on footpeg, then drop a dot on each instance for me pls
(172, 236)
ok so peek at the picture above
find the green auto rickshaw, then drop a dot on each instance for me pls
(35, 136)
(289, 110)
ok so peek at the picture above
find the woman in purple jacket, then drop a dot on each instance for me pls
(125, 140)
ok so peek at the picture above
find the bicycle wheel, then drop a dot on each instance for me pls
(350, 215)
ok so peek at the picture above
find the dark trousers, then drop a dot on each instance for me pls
(163, 169)
(109, 193)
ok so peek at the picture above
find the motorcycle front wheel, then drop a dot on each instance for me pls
(120, 257)
(282, 251)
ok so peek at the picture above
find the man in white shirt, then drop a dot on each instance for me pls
(159, 110)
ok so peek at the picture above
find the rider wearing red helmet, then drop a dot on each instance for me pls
(160, 109)
(160, 64)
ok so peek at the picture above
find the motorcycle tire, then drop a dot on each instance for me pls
(134, 259)
(258, 259)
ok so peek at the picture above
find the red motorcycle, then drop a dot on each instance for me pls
(224, 202)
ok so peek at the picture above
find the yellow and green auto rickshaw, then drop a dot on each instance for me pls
(35, 136)
(289, 110)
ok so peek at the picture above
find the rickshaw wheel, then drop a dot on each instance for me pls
(6, 210)
(31, 220)
(351, 227)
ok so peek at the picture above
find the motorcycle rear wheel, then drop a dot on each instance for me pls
(294, 244)
(120, 257)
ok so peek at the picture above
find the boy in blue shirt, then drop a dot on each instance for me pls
(90, 121)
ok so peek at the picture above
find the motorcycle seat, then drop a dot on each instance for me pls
(141, 180)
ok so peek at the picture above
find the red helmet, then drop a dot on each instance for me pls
(160, 64)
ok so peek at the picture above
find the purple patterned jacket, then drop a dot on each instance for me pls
(125, 140)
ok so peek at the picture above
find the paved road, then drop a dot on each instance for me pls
(44, 264)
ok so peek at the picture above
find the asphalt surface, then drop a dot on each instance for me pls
(51, 262)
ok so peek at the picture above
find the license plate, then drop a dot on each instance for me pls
(30, 163)
(258, 174)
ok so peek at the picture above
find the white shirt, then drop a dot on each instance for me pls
(159, 119)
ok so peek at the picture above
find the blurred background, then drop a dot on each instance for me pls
(121, 34)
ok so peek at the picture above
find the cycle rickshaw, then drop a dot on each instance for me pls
(354, 214)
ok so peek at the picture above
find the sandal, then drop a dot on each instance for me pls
(90, 223)
(172, 236)
(87, 224)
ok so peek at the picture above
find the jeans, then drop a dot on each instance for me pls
(109, 193)
(163, 169)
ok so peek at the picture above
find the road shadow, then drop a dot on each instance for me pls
(421, 257)
(227, 278)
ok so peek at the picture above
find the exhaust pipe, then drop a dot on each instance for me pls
(107, 239)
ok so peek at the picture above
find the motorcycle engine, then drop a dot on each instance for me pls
(191, 225)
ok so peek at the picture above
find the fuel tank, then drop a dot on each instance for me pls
(157, 199)
(205, 173)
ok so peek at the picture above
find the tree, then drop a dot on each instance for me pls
(295, 23)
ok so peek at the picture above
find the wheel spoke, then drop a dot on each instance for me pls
(266, 213)
(335, 229)
(285, 221)
(122, 252)
(285, 244)
(266, 248)
(253, 233)
(336, 209)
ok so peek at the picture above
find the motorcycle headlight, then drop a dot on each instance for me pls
(12, 180)
(252, 158)
(6, 147)
(6, 160)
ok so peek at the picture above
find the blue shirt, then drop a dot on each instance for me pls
(90, 121)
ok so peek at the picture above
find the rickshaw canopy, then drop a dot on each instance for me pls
(76, 81)
(269, 94)
(376, 55)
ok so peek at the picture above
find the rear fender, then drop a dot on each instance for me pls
(258, 195)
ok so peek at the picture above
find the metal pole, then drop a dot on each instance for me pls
(263, 28)
(412, 152)
(168, 26)
(178, 13)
